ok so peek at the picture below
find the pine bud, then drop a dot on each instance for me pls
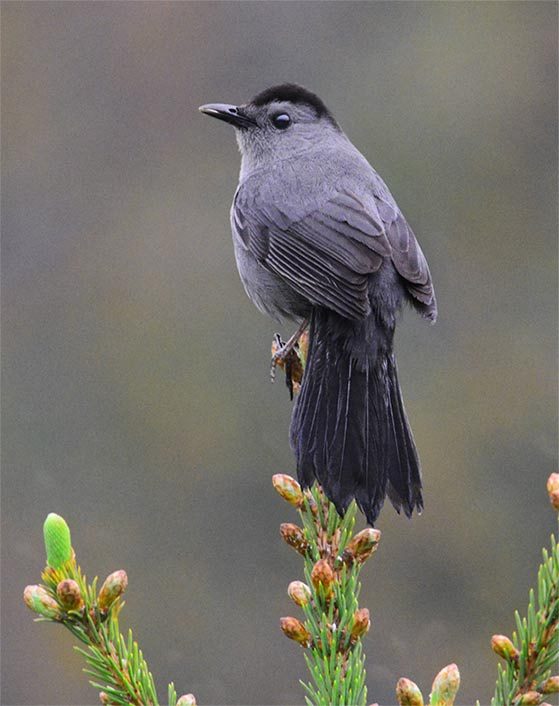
(187, 700)
(295, 630)
(445, 686)
(295, 537)
(69, 594)
(551, 685)
(408, 693)
(361, 623)
(40, 601)
(502, 646)
(299, 593)
(104, 698)
(553, 490)
(361, 546)
(288, 488)
(58, 543)
(114, 586)
(322, 576)
(530, 698)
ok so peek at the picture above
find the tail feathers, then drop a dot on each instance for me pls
(404, 475)
(349, 429)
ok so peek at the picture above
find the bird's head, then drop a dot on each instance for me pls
(277, 123)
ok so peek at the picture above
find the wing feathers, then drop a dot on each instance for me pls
(328, 255)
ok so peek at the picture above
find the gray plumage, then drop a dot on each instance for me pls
(318, 235)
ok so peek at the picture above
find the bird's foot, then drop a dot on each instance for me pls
(288, 356)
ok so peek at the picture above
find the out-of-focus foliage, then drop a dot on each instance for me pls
(135, 380)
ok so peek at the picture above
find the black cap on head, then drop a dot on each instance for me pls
(293, 93)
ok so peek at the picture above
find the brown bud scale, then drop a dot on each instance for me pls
(408, 693)
(361, 623)
(322, 576)
(187, 700)
(295, 630)
(361, 546)
(288, 488)
(502, 646)
(553, 490)
(69, 594)
(299, 593)
(551, 685)
(294, 536)
(113, 587)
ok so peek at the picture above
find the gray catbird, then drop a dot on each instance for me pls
(318, 237)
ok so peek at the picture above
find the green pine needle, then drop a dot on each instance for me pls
(536, 637)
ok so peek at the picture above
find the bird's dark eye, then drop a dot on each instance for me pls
(281, 120)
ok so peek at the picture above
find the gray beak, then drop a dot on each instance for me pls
(229, 113)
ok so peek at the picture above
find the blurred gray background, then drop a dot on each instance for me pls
(136, 399)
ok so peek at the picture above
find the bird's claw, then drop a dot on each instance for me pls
(286, 356)
(278, 345)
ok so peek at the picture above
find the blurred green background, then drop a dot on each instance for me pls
(136, 399)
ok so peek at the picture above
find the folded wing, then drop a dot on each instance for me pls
(328, 255)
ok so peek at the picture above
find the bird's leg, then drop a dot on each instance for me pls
(281, 350)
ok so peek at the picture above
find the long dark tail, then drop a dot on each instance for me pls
(349, 428)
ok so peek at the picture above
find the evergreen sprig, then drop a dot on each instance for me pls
(533, 653)
(115, 664)
(333, 623)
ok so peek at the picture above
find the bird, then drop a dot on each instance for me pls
(319, 240)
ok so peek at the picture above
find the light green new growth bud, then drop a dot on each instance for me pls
(288, 488)
(361, 546)
(299, 593)
(40, 601)
(553, 490)
(445, 686)
(361, 623)
(408, 693)
(187, 700)
(551, 685)
(58, 543)
(502, 646)
(295, 630)
(530, 698)
(114, 586)
(69, 594)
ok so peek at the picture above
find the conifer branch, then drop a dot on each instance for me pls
(115, 664)
(333, 624)
(332, 628)
(533, 653)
